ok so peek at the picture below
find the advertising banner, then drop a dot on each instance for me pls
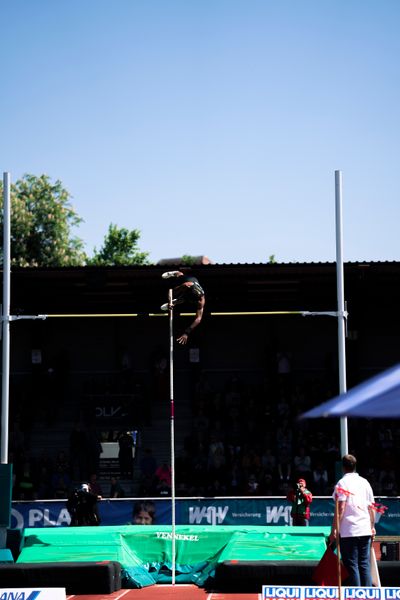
(53, 513)
(329, 593)
(204, 511)
(32, 594)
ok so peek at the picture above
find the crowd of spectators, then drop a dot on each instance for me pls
(244, 440)
(249, 441)
(39, 476)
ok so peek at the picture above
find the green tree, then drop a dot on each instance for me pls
(41, 222)
(188, 260)
(120, 247)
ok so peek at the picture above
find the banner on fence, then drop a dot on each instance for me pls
(301, 592)
(192, 511)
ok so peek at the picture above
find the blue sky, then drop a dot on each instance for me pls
(213, 126)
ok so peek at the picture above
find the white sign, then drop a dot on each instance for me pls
(36, 357)
(32, 594)
(313, 592)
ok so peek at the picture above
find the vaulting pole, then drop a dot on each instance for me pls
(341, 314)
(5, 386)
(172, 420)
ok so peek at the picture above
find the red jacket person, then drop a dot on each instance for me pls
(301, 499)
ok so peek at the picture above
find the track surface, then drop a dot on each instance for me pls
(166, 592)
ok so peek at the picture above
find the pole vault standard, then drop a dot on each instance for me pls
(341, 313)
(5, 383)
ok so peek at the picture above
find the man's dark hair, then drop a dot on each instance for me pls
(349, 463)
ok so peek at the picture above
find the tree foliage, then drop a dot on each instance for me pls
(120, 247)
(188, 260)
(41, 222)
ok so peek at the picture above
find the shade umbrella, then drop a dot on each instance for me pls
(376, 398)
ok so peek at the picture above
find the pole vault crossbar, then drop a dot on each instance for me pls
(303, 313)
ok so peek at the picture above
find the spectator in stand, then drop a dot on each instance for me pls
(60, 483)
(216, 408)
(268, 462)
(116, 489)
(235, 478)
(302, 463)
(147, 487)
(388, 483)
(94, 485)
(216, 488)
(62, 461)
(317, 450)
(284, 465)
(252, 486)
(17, 439)
(332, 455)
(201, 421)
(182, 489)
(125, 454)
(144, 513)
(43, 485)
(301, 499)
(163, 473)
(284, 436)
(283, 408)
(385, 437)
(25, 483)
(78, 448)
(217, 463)
(387, 461)
(266, 485)
(233, 395)
(94, 449)
(159, 374)
(163, 488)
(183, 471)
(148, 464)
(320, 479)
(284, 369)
(251, 461)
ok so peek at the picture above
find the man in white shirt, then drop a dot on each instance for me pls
(356, 517)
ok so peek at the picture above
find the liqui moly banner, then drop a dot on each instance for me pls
(276, 592)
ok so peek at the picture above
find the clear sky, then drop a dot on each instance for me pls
(213, 126)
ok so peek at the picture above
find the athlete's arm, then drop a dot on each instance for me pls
(199, 315)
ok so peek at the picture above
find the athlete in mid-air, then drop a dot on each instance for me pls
(188, 291)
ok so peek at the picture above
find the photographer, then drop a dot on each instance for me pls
(82, 506)
(301, 498)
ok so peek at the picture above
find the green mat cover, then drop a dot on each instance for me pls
(145, 551)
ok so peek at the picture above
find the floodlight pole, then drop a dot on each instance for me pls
(5, 385)
(341, 313)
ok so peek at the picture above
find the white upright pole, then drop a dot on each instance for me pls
(344, 445)
(172, 418)
(5, 386)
